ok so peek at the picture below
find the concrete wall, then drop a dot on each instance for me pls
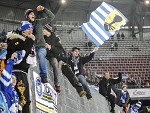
(70, 102)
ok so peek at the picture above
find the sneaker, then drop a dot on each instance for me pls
(57, 88)
(82, 93)
(88, 96)
(44, 80)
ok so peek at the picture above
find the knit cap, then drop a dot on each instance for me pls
(25, 25)
(48, 27)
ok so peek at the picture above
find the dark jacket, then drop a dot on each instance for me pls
(56, 47)
(16, 43)
(38, 27)
(106, 85)
(81, 62)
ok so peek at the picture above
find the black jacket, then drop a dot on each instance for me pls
(127, 100)
(106, 85)
(81, 62)
(56, 47)
(16, 43)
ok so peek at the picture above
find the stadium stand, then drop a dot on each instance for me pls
(132, 56)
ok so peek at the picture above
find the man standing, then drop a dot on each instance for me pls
(38, 32)
(105, 86)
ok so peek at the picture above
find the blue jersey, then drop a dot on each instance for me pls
(133, 109)
(6, 87)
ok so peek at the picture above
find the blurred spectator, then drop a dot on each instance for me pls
(122, 35)
(3, 33)
(139, 82)
(118, 35)
(112, 46)
(134, 48)
(88, 45)
(3, 39)
(131, 83)
(116, 46)
(147, 85)
(133, 36)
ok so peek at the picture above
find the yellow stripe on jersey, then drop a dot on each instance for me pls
(44, 108)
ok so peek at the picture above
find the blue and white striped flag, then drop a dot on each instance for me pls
(103, 23)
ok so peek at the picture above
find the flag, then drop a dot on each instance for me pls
(3, 54)
(45, 95)
(103, 23)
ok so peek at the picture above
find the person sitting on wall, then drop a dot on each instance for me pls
(54, 51)
(105, 86)
(76, 63)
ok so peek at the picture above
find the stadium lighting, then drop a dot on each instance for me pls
(147, 2)
(63, 1)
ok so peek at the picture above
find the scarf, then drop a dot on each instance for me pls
(123, 96)
(133, 109)
(75, 60)
(20, 56)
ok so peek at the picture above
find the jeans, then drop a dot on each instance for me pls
(56, 69)
(82, 80)
(3, 104)
(41, 53)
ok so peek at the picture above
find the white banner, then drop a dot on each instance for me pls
(136, 93)
(46, 96)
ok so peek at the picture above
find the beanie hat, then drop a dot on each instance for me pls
(13, 74)
(27, 12)
(48, 27)
(25, 25)
(138, 104)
